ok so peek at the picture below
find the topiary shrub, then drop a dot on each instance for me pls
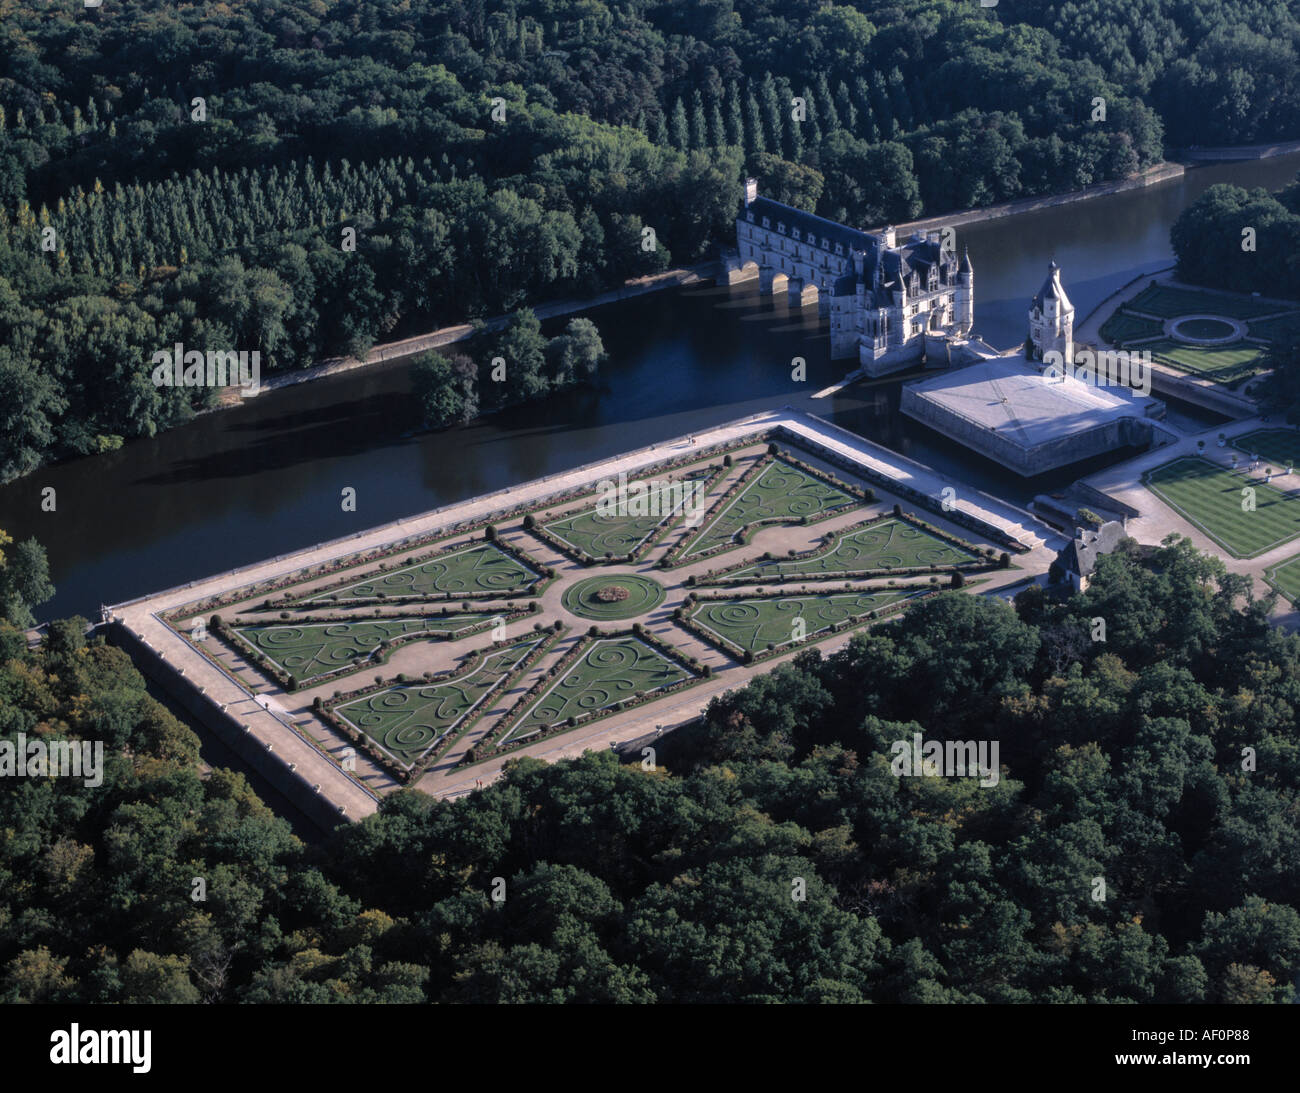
(490, 533)
(529, 521)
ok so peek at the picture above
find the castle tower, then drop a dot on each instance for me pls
(964, 297)
(1051, 320)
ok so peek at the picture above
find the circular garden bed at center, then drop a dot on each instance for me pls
(610, 597)
(1204, 329)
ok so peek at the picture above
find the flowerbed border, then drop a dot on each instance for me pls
(326, 709)
(697, 673)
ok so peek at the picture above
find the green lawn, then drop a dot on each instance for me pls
(1272, 329)
(1169, 303)
(893, 543)
(642, 594)
(755, 623)
(1285, 577)
(1276, 446)
(780, 492)
(611, 670)
(597, 531)
(1224, 363)
(1211, 498)
(406, 721)
(478, 569)
(313, 649)
(1122, 327)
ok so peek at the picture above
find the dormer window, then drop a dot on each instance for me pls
(795, 233)
(767, 223)
(781, 228)
(750, 217)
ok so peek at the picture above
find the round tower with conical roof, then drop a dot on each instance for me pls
(1051, 320)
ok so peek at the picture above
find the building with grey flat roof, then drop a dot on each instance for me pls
(1028, 421)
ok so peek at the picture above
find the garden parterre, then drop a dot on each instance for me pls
(381, 650)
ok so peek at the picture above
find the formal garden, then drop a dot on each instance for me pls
(1216, 335)
(437, 652)
(1211, 498)
(1280, 447)
(1285, 577)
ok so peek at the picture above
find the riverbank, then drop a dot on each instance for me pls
(447, 335)
(1238, 153)
(703, 271)
(1152, 176)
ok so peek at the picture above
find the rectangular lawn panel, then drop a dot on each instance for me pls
(1225, 363)
(1280, 446)
(407, 720)
(1123, 327)
(314, 649)
(753, 624)
(479, 569)
(597, 533)
(1285, 577)
(1169, 303)
(780, 493)
(893, 543)
(1280, 326)
(611, 670)
(1210, 498)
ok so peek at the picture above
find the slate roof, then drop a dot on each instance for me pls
(777, 213)
(1081, 555)
(1049, 289)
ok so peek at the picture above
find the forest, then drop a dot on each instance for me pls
(1161, 762)
(1244, 240)
(305, 179)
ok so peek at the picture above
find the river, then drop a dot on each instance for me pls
(241, 485)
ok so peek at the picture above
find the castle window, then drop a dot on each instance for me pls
(749, 217)
(839, 248)
(781, 228)
(795, 233)
(767, 223)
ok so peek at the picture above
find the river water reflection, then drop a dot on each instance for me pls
(266, 478)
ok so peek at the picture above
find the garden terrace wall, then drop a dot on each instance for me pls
(233, 731)
(901, 489)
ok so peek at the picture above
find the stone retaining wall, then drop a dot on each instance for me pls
(229, 729)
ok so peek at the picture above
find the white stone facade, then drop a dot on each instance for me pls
(1051, 320)
(883, 297)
